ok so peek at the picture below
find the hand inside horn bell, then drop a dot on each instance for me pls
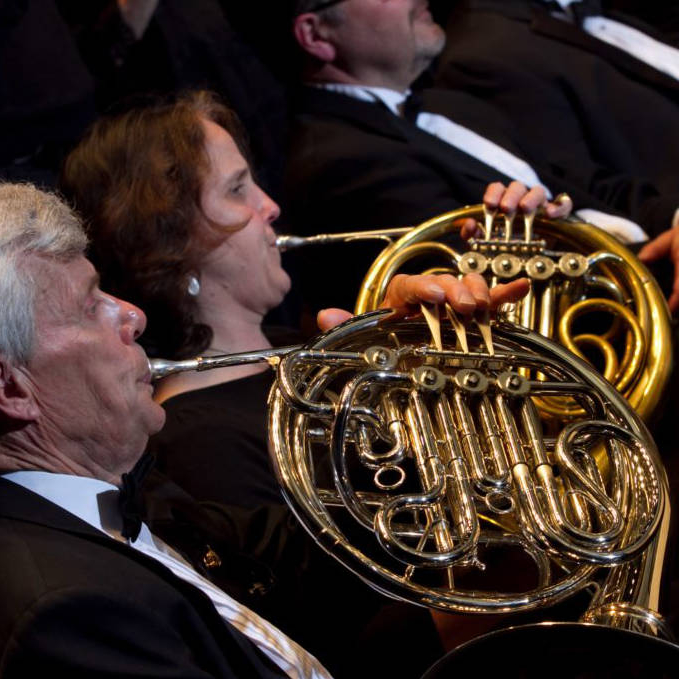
(665, 246)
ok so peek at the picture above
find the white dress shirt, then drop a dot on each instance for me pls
(657, 54)
(487, 152)
(456, 135)
(96, 503)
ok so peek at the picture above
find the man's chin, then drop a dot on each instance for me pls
(438, 40)
(156, 420)
(433, 44)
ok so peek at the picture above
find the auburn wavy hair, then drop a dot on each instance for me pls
(135, 179)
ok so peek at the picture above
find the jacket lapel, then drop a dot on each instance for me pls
(545, 24)
(378, 120)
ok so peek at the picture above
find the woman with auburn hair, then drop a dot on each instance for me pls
(179, 227)
(137, 179)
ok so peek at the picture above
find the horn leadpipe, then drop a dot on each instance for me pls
(160, 367)
(292, 242)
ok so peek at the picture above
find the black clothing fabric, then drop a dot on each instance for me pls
(577, 97)
(59, 61)
(214, 443)
(355, 165)
(46, 91)
(79, 604)
(105, 43)
(661, 15)
(584, 9)
(193, 45)
(131, 500)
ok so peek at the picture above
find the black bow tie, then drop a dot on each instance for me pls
(131, 499)
(412, 106)
(584, 9)
(578, 11)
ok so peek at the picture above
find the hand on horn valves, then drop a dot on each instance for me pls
(519, 198)
(665, 245)
(466, 296)
(471, 293)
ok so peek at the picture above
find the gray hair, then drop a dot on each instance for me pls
(332, 14)
(32, 222)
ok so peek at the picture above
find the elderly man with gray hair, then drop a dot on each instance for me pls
(75, 414)
(82, 596)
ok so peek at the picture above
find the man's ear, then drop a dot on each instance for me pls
(17, 400)
(311, 34)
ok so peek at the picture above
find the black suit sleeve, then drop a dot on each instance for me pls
(636, 198)
(574, 95)
(116, 638)
(513, 85)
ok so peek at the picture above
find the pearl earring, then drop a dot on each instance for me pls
(194, 286)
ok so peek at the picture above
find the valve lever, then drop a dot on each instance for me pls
(483, 322)
(459, 328)
(432, 315)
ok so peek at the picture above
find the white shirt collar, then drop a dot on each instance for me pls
(392, 99)
(564, 3)
(92, 500)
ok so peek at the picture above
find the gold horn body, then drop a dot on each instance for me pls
(427, 472)
(578, 273)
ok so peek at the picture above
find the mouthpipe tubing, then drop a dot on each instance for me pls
(292, 242)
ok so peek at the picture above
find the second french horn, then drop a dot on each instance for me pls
(581, 277)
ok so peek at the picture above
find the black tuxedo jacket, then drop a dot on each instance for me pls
(355, 165)
(76, 603)
(573, 94)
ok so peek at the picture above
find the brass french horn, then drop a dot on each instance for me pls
(419, 465)
(577, 271)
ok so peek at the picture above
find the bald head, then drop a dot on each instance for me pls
(367, 42)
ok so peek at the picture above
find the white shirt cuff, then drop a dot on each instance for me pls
(625, 230)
